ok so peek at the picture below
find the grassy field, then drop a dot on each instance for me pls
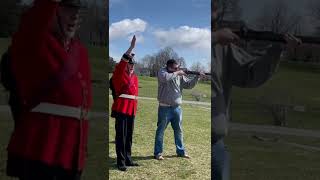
(252, 159)
(292, 84)
(96, 166)
(196, 125)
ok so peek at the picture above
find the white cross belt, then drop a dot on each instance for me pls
(59, 110)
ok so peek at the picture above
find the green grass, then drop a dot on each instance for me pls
(96, 165)
(196, 128)
(252, 159)
(291, 84)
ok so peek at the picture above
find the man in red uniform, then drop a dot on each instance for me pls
(124, 107)
(52, 74)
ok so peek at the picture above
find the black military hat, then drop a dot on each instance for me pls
(131, 60)
(72, 3)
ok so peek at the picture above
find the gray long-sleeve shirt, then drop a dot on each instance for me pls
(170, 87)
(232, 66)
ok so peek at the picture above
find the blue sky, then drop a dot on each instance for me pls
(183, 25)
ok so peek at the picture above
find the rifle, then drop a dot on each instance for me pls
(193, 72)
(196, 73)
(249, 34)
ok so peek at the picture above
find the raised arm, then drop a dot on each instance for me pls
(187, 83)
(165, 76)
(224, 37)
(119, 71)
(121, 67)
(249, 71)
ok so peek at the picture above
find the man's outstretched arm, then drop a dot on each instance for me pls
(251, 72)
(187, 83)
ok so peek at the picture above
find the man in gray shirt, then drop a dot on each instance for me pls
(171, 82)
(232, 66)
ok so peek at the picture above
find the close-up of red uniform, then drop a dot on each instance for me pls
(124, 84)
(52, 138)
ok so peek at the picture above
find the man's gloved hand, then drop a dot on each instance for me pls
(180, 73)
(225, 36)
(292, 41)
(202, 75)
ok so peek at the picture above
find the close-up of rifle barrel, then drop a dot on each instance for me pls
(196, 73)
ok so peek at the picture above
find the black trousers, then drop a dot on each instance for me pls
(124, 130)
(35, 170)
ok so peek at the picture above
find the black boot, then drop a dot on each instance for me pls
(132, 164)
(122, 168)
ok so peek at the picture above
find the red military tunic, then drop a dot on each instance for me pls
(36, 56)
(123, 83)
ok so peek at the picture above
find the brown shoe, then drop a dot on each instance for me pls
(185, 156)
(159, 157)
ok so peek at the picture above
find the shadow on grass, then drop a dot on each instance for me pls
(113, 161)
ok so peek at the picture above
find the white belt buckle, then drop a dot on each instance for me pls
(59, 110)
(128, 96)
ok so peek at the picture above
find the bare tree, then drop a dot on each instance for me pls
(111, 64)
(277, 17)
(228, 9)
(94, 25)
(314, 9)
(197, 66)
(156, 61)
(209, 66)
(314, 6)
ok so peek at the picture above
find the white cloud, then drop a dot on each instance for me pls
(127, 27)
(185, 37)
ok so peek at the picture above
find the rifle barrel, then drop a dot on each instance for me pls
(275, 37)
(196, 73)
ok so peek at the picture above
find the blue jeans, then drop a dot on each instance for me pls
(220, 161)
(168, 115)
